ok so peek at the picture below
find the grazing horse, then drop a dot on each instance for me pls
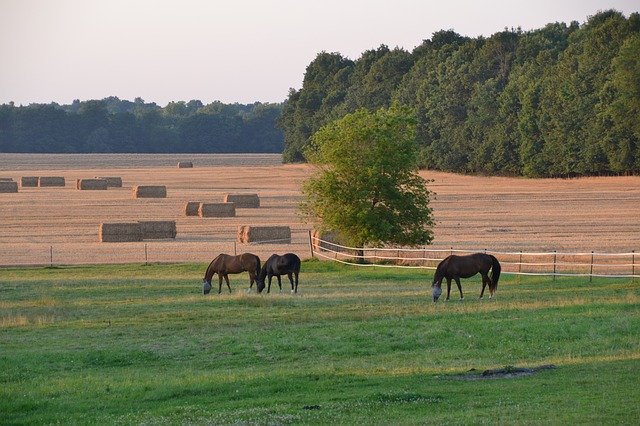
(456, 267)
(288, 264)
(225, 264)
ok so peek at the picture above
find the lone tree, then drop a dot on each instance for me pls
(367, 187)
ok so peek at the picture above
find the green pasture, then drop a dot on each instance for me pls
(141, 345)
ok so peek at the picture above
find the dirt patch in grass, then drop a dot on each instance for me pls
(508, 372)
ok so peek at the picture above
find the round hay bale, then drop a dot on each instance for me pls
(149, 191)
(157, 229)
(29, 181)
(91, 184)
(185, 165)
(264, 234)
(243, 201)
(191, 208)
(8, 186)
(217, 210)
(112, 181)
(117, 232)
(51, 181)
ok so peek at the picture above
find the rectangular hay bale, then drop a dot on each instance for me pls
(112, 181)
(264, 234)
(51, 181)
(8, 186)
(157, 229)
(217, 210)
(91, 184)
(6, 179)
(29, 181)
(118, 232)
(191, 208)
(149, 191)
(243, 201)
(185, 165)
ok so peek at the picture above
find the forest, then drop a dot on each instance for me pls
(559, 101)
(121, 126)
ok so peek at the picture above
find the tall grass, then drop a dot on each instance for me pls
(141, 344)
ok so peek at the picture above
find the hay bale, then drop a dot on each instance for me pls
(192, 208)
(149, 191)
(217, 210)
(91, 184)
(51, 181)
(112, 181)
(264, 234)
(157, 229)
(185, 165)
(6, 179)
(8, 187)
(29, 181)
(243, 201)
(117, 232)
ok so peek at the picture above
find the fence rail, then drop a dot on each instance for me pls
(551, 263)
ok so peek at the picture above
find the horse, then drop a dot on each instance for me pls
(225, 264)
(277, 265)
(456, 267)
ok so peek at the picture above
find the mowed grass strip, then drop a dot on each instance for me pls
(141, 344)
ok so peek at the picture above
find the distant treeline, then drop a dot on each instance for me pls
(563, 100)
(121, 126)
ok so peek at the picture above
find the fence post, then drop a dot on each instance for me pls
(633, 266)
(554, 264)
(591, 269)
(51, 256)
(146, 255)
(310, 244)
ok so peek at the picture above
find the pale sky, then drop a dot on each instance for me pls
(233, 50)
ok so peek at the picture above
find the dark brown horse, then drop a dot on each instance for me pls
(225, 264)
(456, 267)
(276, 265)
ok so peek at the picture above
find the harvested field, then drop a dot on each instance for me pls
(496, 213)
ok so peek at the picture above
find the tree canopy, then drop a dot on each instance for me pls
(367, 188)
(114, 125)
(561, 100)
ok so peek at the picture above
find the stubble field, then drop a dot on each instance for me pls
(60, 225)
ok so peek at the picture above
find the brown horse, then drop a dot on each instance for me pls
(225, 264)
(456, 267)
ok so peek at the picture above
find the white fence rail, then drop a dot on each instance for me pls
(552, 263)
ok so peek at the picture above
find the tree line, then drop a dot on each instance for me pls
(114, 125)
(559, 101)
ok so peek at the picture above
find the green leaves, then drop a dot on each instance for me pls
(367, 187)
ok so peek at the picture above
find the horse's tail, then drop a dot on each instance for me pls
(495, 273)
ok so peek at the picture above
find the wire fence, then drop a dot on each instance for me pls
(549, 263)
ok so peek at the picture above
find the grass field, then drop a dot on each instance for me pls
(141, 345)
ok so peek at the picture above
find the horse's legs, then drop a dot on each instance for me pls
(219, 283)
(279, 282)
(485, 280)
(269, 288)
(459, 287)
(252, 279)
(290, 275)
(296, 276)
(448, 288)
(226, 278)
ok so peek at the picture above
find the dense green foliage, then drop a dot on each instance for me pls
(557, 101)
(114, 125)
(141, 345)
(367, 187)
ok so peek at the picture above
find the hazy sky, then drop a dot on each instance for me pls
(232, 50)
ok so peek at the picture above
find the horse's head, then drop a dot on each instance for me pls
(206, 286)
(260, 284)
(436, 291)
